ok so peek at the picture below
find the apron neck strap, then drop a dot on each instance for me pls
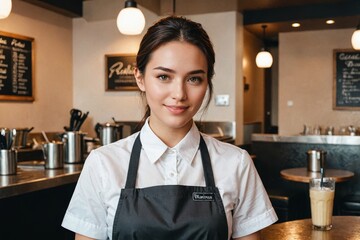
(205, 157)
(134, 163)
(135, 156)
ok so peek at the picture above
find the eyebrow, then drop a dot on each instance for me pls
(172, 71)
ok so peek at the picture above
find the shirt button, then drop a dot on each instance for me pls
(172, 174)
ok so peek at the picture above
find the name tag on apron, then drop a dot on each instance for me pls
(201, 196)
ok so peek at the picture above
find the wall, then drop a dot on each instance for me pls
(306, 80)
(254, 96)
(275, 86)
(94, 37)
(75, 76)
(52, 35)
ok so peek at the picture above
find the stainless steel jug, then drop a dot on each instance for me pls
(315, 160)
(53, 155)
(74, 146)
(8, 162)
(21, 137)
(108, 132)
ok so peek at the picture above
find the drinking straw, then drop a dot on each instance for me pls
(322, 177)
(321, 173)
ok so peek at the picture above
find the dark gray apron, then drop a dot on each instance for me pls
(170, 212)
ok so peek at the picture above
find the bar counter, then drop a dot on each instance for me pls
(35, 199)
(32, 176)
(310, 139)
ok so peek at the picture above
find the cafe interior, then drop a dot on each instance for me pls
(297, 113)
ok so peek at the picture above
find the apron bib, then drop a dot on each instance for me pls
(171, 212)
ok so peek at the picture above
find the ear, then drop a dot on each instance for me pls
(139, 79)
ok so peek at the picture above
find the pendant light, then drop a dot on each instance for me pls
(174, 7)
(264, 58)
(131, 20)
(5, 8)
(355, 39)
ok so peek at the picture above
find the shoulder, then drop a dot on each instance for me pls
(121, 145)
(116, 153)
(228, 160)
(224, 149)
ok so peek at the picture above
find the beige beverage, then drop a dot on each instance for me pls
(322, 202)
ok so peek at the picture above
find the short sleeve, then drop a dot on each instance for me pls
(253, 210)
(86, 213)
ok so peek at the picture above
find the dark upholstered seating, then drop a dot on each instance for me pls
(351, 205)
(288, 204)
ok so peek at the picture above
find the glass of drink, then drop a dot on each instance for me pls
(322, 202)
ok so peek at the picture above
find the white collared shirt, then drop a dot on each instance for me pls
(93, 205)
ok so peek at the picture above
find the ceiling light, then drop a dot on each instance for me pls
(355, 39)
(295, 25)
(330, 21)
(264, 58)
(5, 8)
(131, 20)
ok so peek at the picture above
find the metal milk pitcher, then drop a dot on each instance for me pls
(108, 132)
(74, 146)
(315, 160)
(53, 155)
(8, 162)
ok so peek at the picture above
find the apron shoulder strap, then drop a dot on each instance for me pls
(205, 157)
(134, 163)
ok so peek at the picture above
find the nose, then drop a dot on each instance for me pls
(179, 90)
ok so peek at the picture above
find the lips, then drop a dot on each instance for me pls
(176, 109)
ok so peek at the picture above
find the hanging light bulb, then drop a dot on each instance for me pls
(131, 20)
(264, 58)
(355, 39)
(5, 8)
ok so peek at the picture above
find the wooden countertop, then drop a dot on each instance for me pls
(303, 175)
(344, 228)
(32, 176)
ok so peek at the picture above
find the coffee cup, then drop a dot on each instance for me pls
(322, 194)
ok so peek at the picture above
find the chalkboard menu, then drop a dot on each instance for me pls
(120, 72)
(16, 73)
(346, 80)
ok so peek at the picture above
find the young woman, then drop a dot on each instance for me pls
(169, 181)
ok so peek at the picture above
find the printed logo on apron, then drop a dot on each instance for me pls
(200, 196)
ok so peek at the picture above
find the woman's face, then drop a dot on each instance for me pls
(175, 83)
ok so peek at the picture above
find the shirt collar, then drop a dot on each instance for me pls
(155, 148)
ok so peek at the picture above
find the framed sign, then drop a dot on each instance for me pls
(120, 72)
(16, 67)
(346, 83)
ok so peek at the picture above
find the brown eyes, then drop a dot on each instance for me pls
(195, 80)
